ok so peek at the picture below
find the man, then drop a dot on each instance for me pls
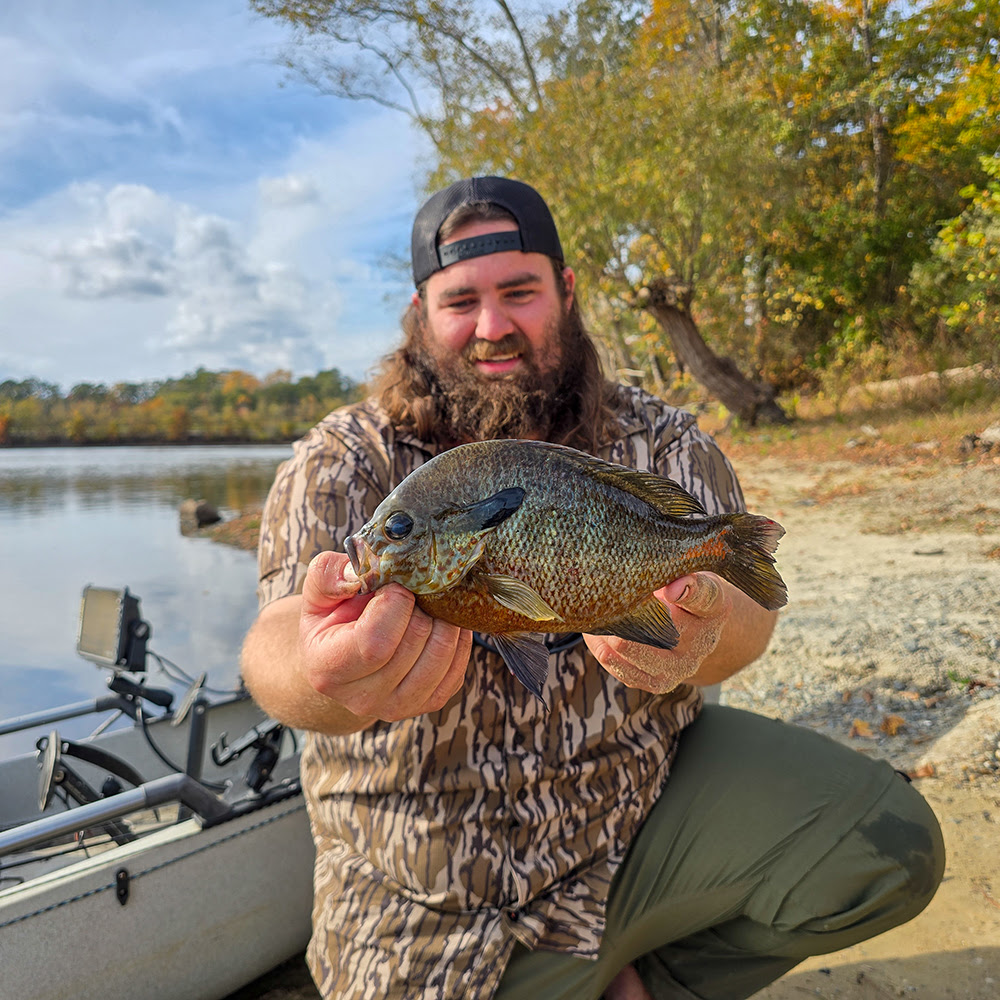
(625, 843)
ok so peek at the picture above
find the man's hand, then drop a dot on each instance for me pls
(376, 654)
(700, 607)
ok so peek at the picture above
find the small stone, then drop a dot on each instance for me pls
(990, 436)
(197, 513)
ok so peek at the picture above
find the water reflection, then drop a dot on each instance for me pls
(108, 516)
(35, 481)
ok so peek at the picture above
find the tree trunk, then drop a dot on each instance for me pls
(753, 402)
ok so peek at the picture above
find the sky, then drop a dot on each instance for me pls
(171, 198)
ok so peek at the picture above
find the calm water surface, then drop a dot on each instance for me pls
(108, 517)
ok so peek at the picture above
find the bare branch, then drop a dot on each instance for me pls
(528, 62)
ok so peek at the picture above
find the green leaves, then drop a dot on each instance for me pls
(788, 163)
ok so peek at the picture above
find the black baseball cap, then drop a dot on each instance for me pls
(536, 231)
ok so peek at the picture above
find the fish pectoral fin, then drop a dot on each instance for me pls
(650, 623)
(518, 597)
(485, 514)
(526, 658)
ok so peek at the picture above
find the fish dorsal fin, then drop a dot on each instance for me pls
(518, 597)
(526, 658)
(650, 623)
(664, 494)
(658, 491)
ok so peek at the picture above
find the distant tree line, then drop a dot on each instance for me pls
(206, 406)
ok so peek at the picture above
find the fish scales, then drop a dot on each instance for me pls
(518, 537)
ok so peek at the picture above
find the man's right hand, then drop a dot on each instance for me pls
(377, 654)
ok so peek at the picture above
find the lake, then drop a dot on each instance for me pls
(109, 517)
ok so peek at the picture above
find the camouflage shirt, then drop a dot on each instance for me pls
(442, 839)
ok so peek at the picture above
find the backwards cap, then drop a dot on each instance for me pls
(536, 232)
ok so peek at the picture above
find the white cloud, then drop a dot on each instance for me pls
(230, 307)
(290, 190)
(164, 205)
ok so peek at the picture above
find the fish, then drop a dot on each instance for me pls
(516, 538)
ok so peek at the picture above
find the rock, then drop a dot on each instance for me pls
(968, 444)
(196, 514)
(990, 436)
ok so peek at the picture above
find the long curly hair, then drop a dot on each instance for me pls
(579, 410)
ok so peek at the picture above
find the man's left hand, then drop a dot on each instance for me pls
(700, 607)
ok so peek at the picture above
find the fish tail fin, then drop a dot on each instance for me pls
(749, 564)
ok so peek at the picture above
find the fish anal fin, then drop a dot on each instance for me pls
(518, 597)
(650, 623)
(526, 658)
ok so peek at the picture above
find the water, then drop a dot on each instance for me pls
(109, 517)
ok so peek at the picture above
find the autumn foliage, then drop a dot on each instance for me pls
(202, 407)
(812, 184)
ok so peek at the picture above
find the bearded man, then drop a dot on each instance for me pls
(629, 843)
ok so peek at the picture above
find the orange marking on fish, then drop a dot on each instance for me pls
(710, 548)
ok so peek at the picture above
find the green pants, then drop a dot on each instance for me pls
(770, 843)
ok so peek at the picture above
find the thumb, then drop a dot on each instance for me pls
(329, 580)
(699, 594)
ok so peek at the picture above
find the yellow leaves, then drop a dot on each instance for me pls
(891, 725)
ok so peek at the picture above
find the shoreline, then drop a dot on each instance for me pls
(146, 443)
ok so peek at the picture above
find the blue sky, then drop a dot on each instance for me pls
(171, 198)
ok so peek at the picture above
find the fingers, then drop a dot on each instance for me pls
(376, 654)
(422, 674)
(640, 666)
(453, 677)
(699, 606)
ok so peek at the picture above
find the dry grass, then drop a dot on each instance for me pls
(241, 531)
(918, 426)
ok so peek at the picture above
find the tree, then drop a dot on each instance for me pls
(962, 279)
(435, 63)
(505, 93)
(763, 178)
(874, 96)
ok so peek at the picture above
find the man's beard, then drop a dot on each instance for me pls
(530, 403)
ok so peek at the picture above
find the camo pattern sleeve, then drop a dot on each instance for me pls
(330, 486)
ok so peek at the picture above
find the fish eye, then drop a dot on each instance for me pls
(398, 525)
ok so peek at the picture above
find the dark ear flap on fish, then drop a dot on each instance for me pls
(650, 623)
(485, 514)
(526, 657)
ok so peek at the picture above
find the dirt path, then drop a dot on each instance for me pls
(894, 579)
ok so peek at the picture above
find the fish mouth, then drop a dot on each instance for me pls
(363, 562)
